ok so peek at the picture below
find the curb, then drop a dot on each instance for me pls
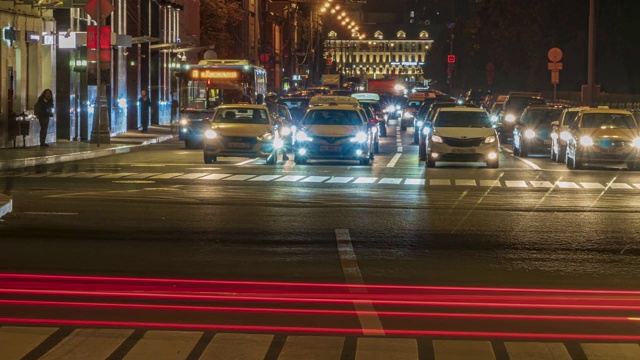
(6, 205)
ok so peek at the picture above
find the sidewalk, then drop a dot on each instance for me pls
(64, 150)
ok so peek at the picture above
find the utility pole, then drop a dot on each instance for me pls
(591, 72)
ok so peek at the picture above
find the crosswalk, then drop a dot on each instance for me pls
(315, 179)
(49, 343)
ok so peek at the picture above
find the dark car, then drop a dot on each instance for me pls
(513, 107)
(297, 106)
(532, 133)
(192, 125)
(428, 119)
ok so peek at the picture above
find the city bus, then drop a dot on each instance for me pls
(214, 82)
(211, 83)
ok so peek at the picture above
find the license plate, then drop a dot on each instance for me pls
(464, 151)
(547, 142)
(611, 150)
(238, 145)
(330, 148)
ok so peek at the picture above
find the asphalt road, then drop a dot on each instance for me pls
(162, 213)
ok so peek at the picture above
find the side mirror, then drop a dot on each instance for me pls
(555, 123)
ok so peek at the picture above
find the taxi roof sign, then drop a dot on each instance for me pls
(366, 96)
(333, 99)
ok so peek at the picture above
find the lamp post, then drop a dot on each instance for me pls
(591, 71)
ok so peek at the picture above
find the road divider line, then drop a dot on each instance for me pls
(394, 159)
(369, 320)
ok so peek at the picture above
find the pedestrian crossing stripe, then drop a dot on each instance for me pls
(99, 344)
(364, 180)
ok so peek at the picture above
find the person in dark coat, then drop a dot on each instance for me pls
(43, 110)
(145, 109)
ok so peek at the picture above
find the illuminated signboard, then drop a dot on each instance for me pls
(214, 74)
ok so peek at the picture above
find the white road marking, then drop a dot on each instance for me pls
(395, 181)
(537, 351)
(312, 347)
(612, 351)
(142, 175)
(147, 165)
(65, 175)
(133, 182)
(465, 182)
(367, 315)
(541, 184)
(239, 177)
(440, 182)
(19, 341)
(592, 185)
(245, 162)
(292, 178)
(166, 176)
(215, 177)
(414, 182)
(339, 180)
(518, 184)
(619, 186)
(88, 344)
(567, 185)
(365, 180)
(265, 178)
(191, 176)
(463, 349)
(117, 176)
(394, 160)
(238, 346)
(387, 348)
(532, 165)
(491, 183)
(90, 175)
(315, 179)
(164, 345)
(50, 213)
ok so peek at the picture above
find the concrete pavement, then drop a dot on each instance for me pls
(64, 150)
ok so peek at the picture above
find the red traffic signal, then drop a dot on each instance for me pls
(451, 59)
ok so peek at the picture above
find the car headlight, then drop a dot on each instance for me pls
(210, 134)
(529, 134)
(494, 118)
(184, 122)
(302, 136)
(285, 131)
(510, 118)
(490, 139)
(407, 115)
(636, 142)
(554, 136)
(586, 141)
(278, 143)
(360, 137)
(398, 107)
(426, 131)
(420, 123)
(565, 135)
(437, 139)
(390, 108)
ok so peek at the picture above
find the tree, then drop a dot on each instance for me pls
(219, 26)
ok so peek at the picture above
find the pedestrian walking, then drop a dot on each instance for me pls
(43, 110)
(145, 109)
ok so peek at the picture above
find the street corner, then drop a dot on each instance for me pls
(6, 205)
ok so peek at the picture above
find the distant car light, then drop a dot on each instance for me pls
(285, 131)
(565, 135)
(510, 118)
(426, 131)
(302, 136)
(494, 118)
(360, 137)
(184, 122)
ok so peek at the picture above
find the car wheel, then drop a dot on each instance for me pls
(376, 147)
(416, 135)
(210, 159)
(299, 159)
(383, 130)
(402, 127)
(561, 154)
(188, 144)
(494, 164)
(524, 152)
(554, 154)
(422, 152)
(577, 164)
(364, 161)
(633, 165)
(272, 159)
(430, 163)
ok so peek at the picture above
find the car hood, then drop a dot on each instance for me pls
(611, 134)
(241, 129)
(464, 132)
(333, 130)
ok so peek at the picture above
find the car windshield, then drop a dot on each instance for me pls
(608, 121)
(540, 116)
(332, 117)
(462, 119)
(518, 104)
(196, 115)
(241, 116)
(569, 116)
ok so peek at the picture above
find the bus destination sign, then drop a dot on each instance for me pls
(214, 74)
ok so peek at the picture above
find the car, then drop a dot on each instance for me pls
(532, 132)
(514, 105)
(411, 108)
(560, 132)
(475, 96)
(463, 134)
(373, 100)
(296, 104)
(242, 130)
(428, 119)
(603, 136)
(368, 114)
(334, 127)
(192, 125)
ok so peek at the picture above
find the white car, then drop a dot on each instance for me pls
(560, 132)
(463, 134)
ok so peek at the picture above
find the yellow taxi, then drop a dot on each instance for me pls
(334, 128)
(242, 130)
(601, 136)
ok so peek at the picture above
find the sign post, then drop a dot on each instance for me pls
(99, 10)
(555, 55)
